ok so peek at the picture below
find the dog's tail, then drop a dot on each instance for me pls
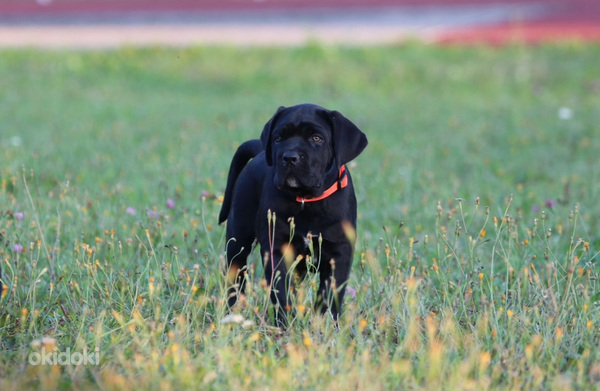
(244, 153)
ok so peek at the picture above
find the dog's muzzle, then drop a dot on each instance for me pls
(290, 158)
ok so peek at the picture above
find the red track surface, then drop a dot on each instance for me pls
(569, 20)
(22, 7)
(564, 19)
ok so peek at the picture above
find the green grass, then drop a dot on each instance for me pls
(476, 261)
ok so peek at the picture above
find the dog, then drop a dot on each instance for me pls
(292, 192)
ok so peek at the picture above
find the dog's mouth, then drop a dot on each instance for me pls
(297, 186)
(292, 183)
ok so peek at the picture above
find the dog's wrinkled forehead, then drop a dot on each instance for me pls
(302, 129)
(302, 120)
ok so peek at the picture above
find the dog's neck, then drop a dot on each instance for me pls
(341, 181)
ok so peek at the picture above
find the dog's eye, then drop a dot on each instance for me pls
(277, 139)
(317, 138)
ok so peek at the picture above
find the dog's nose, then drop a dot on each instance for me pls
(290, 158)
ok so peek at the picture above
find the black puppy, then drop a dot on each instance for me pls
(297, 174)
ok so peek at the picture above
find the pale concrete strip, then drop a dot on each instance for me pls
(107, 36)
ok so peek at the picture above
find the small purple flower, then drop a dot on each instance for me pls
(19, 215)
(18, 248)
(351, 292)
(152, 214)
(170, 203)
(535, 208)
(130, 211)
(550, 203)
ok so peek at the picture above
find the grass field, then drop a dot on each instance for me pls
(476, 261)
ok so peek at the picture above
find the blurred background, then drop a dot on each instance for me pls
(111, 23)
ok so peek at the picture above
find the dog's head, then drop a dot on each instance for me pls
(305, 143)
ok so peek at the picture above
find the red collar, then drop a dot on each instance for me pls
(339, 184)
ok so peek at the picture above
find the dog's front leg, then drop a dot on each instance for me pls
(276, 278)
(334, 271)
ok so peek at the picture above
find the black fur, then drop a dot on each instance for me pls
(300, 152)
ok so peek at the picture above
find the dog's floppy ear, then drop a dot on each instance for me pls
(265, 137)
(348, 140)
